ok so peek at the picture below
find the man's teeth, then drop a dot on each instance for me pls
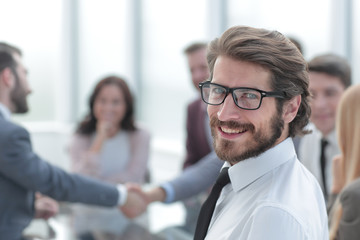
(231, 131)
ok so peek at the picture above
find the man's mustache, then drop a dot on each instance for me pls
(215, 122)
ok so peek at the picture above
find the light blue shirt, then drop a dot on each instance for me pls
(169, 192)
(272, 196)
(5, 112)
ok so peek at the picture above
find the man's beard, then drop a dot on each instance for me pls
(18, 97)
(262, 141)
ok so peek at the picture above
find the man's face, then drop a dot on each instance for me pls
(326, 91)
(198, 67)
(21, 88)
(240, 134)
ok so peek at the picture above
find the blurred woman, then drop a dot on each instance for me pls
(109, 146)
(345, 213)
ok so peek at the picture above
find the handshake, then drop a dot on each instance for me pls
(136, 203)
(138, 199)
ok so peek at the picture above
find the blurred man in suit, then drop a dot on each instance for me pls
(329, 76)
(23, 173)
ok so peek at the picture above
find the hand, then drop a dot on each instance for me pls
(137, 201)
(338, 174)
(45, 207)
(104, 130)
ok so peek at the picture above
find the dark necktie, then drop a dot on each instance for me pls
(208, 207)
(324, 143)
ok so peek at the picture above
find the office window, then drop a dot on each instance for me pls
(104, 46)
(308, 21)
(36, 28)
(166, 84)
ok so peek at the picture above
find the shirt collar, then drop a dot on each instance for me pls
(247, 171)
(5, 112)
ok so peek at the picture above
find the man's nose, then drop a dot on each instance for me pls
(228, 109)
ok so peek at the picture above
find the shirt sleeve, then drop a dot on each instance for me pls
(123, 193)
(196, 178)
(27, 173)
(169, 192)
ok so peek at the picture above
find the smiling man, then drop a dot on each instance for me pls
(257, 100)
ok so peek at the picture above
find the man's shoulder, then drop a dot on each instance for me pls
(290, 183)
(11, 133)
(8, 127)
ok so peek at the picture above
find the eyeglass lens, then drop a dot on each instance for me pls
(244, 98)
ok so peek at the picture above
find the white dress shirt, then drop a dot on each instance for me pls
(309, 154)
(273, 197)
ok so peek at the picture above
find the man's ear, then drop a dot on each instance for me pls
(290, 108)
(7, 77)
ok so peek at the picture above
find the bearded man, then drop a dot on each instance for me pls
(258, 99)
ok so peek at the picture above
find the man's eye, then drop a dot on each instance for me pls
(218, 90)
(250, 96)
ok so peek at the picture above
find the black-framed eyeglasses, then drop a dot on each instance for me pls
(244, 98)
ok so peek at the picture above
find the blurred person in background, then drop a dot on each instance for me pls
(108, 145)
(198, 134)
(329, 76)
(345, 192)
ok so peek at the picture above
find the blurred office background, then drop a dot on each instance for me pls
(69, 45)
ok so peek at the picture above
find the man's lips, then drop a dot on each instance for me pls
(231, 131)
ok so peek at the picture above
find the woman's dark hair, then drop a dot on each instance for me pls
(88, 125)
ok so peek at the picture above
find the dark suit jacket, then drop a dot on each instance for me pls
(22, 173)
(197, 144)
(349, 228)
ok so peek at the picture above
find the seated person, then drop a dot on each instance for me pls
(109, 146)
